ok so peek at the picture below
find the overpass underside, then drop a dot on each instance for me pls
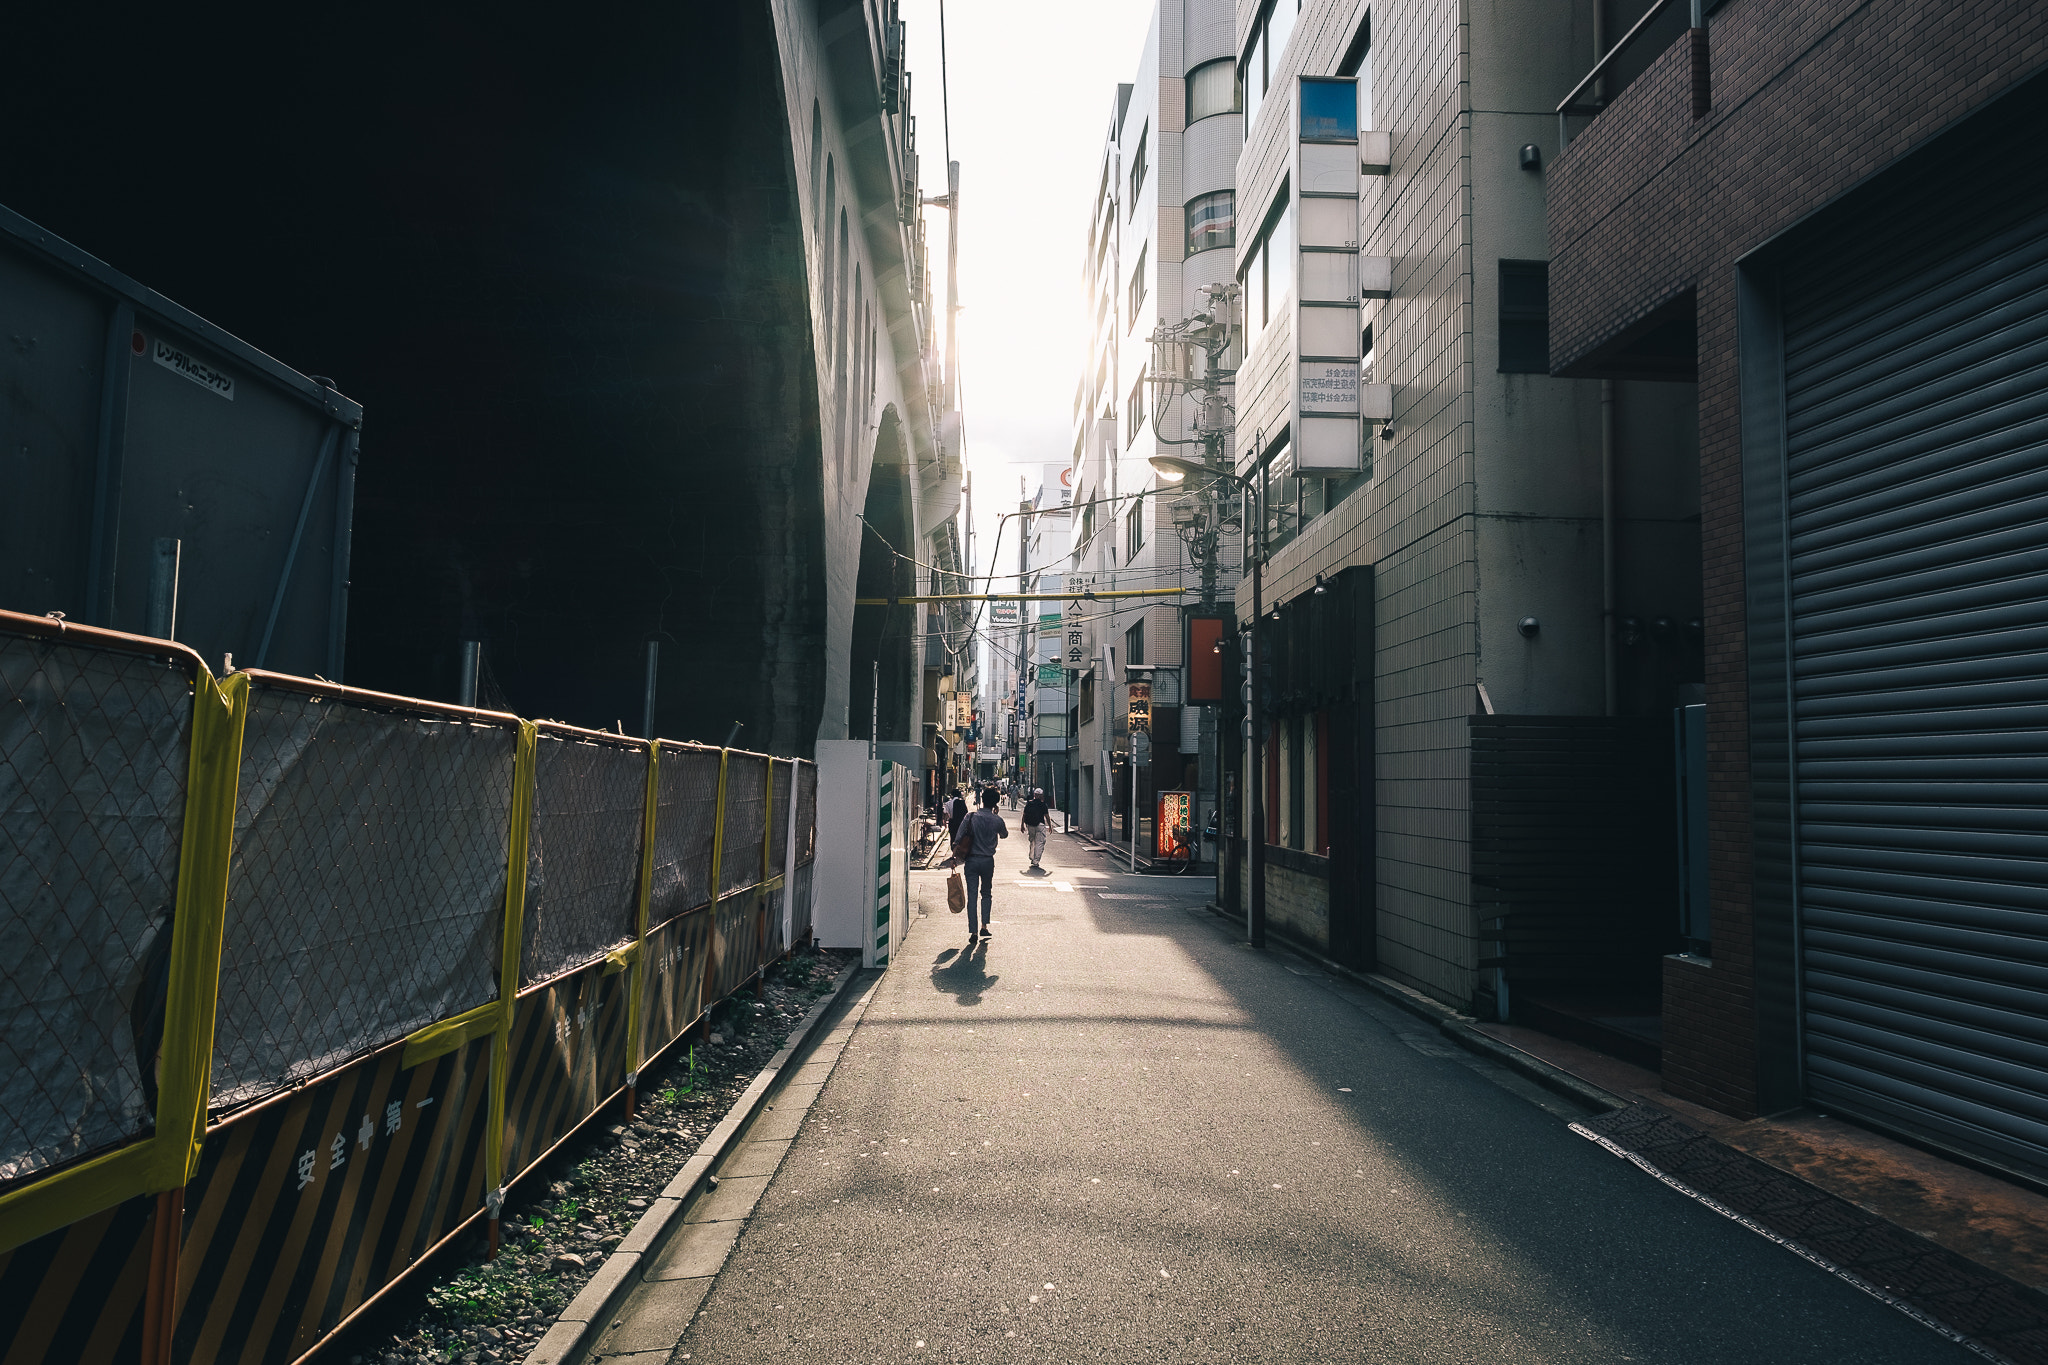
(568, 271)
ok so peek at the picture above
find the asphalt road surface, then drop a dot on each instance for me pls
(1116, 1134)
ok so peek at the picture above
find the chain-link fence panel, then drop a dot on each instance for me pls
(778, 943)
(583, 859)
(685, 819)
(93, 752)
(778, 816)
(800, 909)
(806, 811)
(746, 809)
(366, 896)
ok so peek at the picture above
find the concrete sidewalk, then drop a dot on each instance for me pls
(1113, 1133)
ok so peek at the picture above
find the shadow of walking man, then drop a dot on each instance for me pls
(963, 972)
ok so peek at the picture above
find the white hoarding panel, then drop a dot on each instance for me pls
(1327, 331)
(1327, 447)
(1328, 222)
(1329, 277)
(1329, 168)
(1326, 387)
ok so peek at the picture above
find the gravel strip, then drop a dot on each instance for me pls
(564, 1217)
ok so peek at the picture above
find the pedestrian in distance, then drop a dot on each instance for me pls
(975, 846)
(956, 811)
(1035, 826)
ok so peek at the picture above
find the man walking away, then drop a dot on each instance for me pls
(976, 846)
(956, 811)
(1035, 826)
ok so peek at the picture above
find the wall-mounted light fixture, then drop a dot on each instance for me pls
(1532, 157)
(1529, 626)
(1321, 587)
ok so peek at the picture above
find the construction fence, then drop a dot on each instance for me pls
(295, 978)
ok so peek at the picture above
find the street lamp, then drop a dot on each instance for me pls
(1173, 469)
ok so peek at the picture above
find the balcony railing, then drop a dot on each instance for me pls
(1576, 103)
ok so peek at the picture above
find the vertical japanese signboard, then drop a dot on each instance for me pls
(1331, 398)
(1175, 818)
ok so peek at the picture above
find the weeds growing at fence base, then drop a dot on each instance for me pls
(562, 1219)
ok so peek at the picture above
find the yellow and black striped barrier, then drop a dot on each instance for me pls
(221, 1227)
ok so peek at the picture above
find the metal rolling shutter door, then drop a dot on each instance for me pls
(1917, 474)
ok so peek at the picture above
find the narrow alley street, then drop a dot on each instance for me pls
(1114, 1133)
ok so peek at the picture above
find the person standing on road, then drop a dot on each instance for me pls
(1035, 827)
(956, 811)
(976, 846)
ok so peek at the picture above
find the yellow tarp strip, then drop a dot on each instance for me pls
(169, 1158)
(70, 1195)
(437, 1040)
(618, 959)
(636, 1026)
(718, 830)
(219, 713)
(508, 961)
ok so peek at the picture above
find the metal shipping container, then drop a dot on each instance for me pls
(160, 476)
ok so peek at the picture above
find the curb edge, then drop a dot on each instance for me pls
(580, 1323)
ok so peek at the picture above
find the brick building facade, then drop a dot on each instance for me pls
(1816, 128)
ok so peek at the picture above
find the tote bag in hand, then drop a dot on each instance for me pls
(956, 892)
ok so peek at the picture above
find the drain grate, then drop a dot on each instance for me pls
(1955, 1296)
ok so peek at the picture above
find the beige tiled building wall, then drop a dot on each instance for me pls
(1479, 507)
(1414, 521)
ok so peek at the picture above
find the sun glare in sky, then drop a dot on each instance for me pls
(1032, 90)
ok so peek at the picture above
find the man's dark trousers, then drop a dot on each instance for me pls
(980, 873)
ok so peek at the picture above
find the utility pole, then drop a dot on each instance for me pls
(1024, 744)
(1189, 358)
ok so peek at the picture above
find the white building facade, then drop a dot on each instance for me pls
(1162, 224)
(1452, 578)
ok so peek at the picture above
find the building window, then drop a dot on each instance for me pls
(1212, 89)
(1268, 278)
(1138, 284)
(1279, 500)
(1263, 53)
(1212, 221)
(1138, 167)
(1134, 644)
(1134, 533)
(1136, 409)
(1525, 317)
(1088, 698)
(1358, 62)
(1297, 772)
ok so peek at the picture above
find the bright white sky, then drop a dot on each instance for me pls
(1032, 90)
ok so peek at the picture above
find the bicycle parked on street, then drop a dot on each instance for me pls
(1180, 855)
